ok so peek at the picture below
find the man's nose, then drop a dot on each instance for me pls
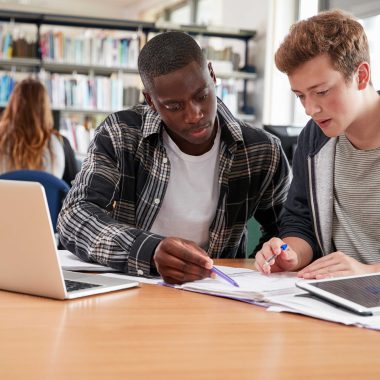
(311, 107)
(193, 113)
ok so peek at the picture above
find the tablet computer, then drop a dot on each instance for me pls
(360, 294)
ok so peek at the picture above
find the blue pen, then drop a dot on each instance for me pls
(224, 276)
(283, 248)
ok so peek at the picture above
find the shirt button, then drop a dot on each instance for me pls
(156, 201)
(140, 272)
(164, 160)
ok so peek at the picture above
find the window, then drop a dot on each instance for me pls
(372, 27)
(307, 8)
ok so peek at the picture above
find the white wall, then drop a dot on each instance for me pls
(271, 19)
(360, 8)
(278, 98)
(250, 14)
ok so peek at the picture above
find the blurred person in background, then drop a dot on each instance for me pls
(28, 139)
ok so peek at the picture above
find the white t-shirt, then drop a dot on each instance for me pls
(191, 198)
(54, 165)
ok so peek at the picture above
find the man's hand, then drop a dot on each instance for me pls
(178, 261)
(283, 261)
(334, 265)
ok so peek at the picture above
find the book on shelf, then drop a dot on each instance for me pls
(7, 82)
(77, 91)
(227, 91)
(83, 92)
(6, 46)
(77, 133)
(90, 47)
(6, 87)
(17, 41)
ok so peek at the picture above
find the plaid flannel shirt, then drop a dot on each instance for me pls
(115, 199)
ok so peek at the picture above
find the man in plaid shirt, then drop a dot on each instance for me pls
(168, 186)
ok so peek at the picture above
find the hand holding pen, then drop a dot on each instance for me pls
(179, 260)
(283, 247)
(274, 256)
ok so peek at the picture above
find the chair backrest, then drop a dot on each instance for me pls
(55, 188)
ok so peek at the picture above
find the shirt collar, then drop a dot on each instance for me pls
(226, 119)
(151, 122)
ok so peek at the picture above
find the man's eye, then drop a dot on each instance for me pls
(321, 93)
(173, 107)
(203, 97)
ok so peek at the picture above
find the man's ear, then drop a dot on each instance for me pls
(363, 75)
(148, 99)
(211, 71)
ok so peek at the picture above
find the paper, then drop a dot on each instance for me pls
(253, 285)
(144, 280)
(71, 262)
(278, 292)
(305, 304)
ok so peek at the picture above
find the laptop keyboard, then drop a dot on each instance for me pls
(75, 285)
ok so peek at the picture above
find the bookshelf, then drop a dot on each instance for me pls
(89, 65)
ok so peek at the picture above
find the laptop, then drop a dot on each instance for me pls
(359, 294)
(28, 252)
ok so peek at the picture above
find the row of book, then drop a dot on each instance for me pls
(7, 84)
(223, 55)
(85, 92)
(98, 93)
(81, 92)
(15, 44)
(228, 92)
(78, 132)
(96, 48)
(83, 47)
(89, 47)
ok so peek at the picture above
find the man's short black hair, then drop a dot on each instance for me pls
(167, 52)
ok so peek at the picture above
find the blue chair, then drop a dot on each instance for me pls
(55, 188)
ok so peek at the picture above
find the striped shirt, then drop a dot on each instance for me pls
(356, 221)
(107, 216)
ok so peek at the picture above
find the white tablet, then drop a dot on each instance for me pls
(360, 294)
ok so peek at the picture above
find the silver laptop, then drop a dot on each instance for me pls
(28, 253)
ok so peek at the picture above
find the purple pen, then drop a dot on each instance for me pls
(224, 276)
(283, 248)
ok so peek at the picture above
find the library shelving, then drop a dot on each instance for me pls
(89, 65)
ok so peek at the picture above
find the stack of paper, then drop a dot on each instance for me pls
(253, 286)
(313, 307)
(278, 292)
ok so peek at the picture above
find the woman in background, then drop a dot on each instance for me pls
(27, 137)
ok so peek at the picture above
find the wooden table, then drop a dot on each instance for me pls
(155, 332)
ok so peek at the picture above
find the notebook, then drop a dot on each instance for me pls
(28, 253)
(360, 293)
